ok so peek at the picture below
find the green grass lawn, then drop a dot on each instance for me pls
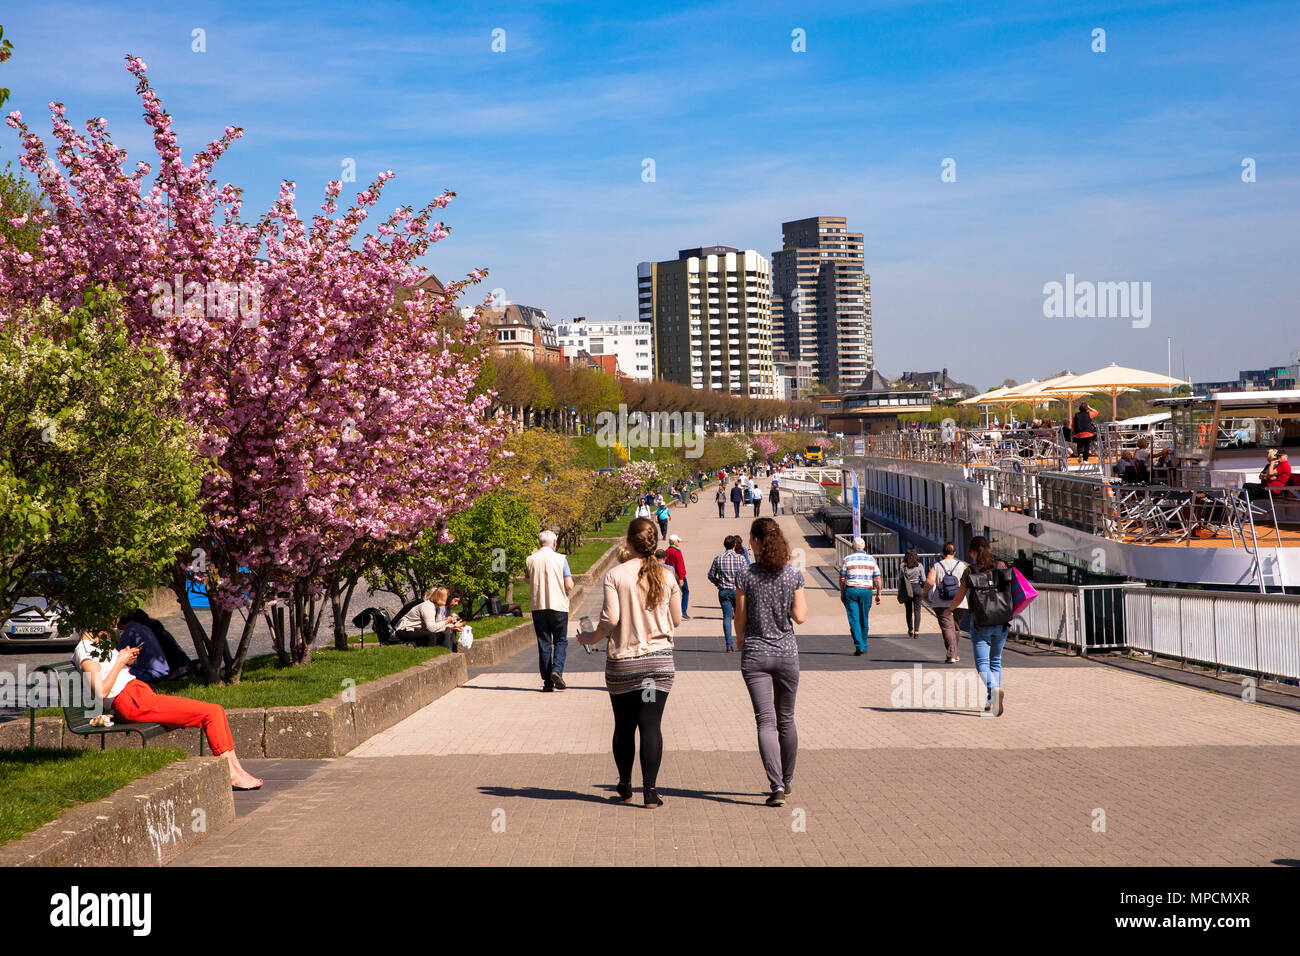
(587, 554)
(266, 684)
(38, 785)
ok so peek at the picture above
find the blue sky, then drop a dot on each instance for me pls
(1123, 165)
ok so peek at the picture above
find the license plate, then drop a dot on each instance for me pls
(27, 629)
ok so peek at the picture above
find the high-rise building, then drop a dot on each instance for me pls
(821, 300)
(631, 342)
(712, 313)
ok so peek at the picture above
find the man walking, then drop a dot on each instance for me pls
(755, 497)
(677, 561)
(737, 496)
(723, 574)
(549, 582)
(859, 583)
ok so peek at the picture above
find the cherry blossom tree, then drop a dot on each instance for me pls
(336, 418)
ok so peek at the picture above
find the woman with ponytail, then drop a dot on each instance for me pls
(643, 605)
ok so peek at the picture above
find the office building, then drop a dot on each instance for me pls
(711, 309)
(821, 300)
(630, 343)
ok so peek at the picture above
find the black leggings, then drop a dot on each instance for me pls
(632, 711)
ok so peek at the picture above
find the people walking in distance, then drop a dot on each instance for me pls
(737, 497)
(643, 510)
(721, 498)
(911, 591)
(640, 612)
(662, 515)
(769, 603)
(756, 498)
(859, 583)
(988, 583)
(677, 561)
(724, 573)
(941, 587)
(774, 496)
(549, 583)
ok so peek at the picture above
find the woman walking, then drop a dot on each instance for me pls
(911, 589)
(721, 498)
(643, 605)
(769, 603)
(941, 586)
(988, 583)
(774, 496)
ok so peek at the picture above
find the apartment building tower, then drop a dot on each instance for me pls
(821, 300)
(631, 342)
(711, 308)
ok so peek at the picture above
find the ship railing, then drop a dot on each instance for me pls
(972, 446)
(1131, 513)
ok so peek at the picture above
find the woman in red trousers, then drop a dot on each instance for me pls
(135, 701)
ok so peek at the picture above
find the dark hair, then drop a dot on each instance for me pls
(660, 554)
(730, 541)
(910, 560)
(771, 550)
(642, 537)
(981, 553)
(949, 549)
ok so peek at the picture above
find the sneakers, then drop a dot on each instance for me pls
(952, 660)
(652, 799)
(857, 652)
(624, 793)
(547, 689)
(558, 680)
(777, 799)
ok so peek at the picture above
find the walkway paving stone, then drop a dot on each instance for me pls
(1089, 765)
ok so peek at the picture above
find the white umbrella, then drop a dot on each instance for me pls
(1114, 379)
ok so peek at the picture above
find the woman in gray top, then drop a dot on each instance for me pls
(769, 603)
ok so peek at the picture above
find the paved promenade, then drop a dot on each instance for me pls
(1089, 765)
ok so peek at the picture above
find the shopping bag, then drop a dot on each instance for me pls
(466, 639)
(1022, 592)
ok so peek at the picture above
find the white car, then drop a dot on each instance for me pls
(34, 624)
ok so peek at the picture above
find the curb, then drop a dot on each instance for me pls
(149, 822)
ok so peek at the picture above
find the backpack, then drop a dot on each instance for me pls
(643, 510)
(990, 597)
(947, 585)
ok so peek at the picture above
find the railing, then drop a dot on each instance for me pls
(1240, 630)
(1254, 633)
(889, 564)
(1243, 631)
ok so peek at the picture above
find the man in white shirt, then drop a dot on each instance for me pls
(859, 584)
(549, 582)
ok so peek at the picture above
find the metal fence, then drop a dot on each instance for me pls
(889, 563)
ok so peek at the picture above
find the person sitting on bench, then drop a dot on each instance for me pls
(423, 626)
(134, 701)
(1275, 474)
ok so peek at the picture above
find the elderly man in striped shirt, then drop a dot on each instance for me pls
(859, 583)
(724, 573)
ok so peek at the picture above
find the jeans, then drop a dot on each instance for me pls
(552, 642)
(663, 528)
(722, 509)
(686, 594)
(987, 643)
(857, 601)
(773, 683)
(758, 506)
(737, 504)
(727, 601)
(912, 611)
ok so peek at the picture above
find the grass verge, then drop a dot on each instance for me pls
(38, 785)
